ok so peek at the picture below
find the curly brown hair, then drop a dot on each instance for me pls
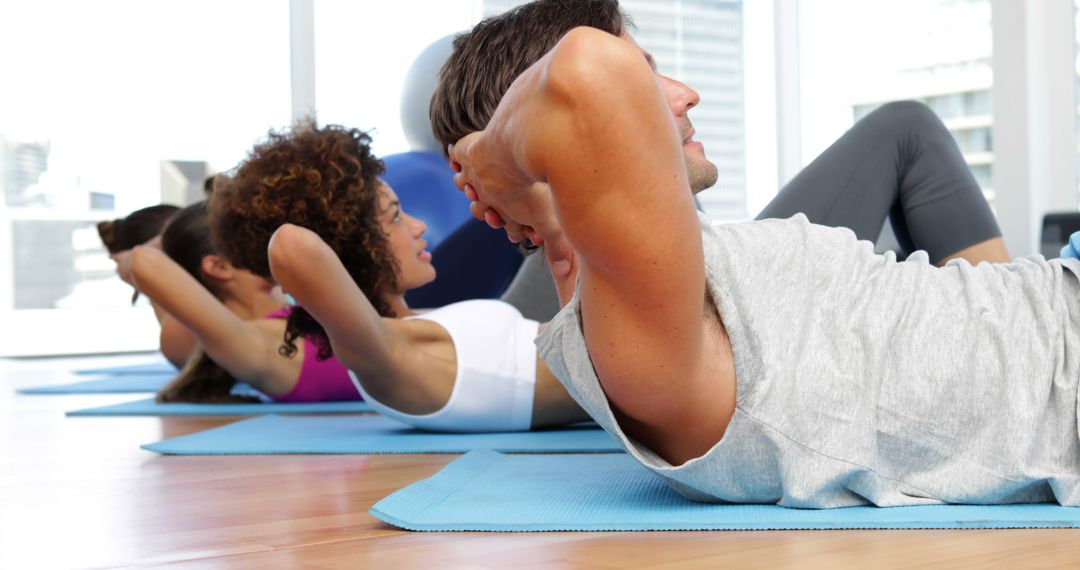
(324, 179)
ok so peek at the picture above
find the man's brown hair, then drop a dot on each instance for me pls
(486, 60)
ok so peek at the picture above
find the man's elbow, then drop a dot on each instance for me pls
(587, 63)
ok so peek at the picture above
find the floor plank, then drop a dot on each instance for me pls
(79, 493)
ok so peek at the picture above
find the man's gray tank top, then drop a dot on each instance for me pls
(864, 380)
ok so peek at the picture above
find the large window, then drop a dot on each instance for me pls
(108, 107)
(113, 105)
(700, 42)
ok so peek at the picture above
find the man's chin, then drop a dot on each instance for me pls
(701, 177)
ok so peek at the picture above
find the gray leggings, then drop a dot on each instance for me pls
(898, 162)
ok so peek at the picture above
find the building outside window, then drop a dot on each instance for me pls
(109, 107)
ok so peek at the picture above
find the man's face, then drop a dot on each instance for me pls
(681, 98)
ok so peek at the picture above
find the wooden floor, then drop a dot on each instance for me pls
(79, 493)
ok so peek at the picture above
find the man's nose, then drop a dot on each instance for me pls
(681, 97)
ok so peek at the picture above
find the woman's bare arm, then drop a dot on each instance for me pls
(590, 120)
(552, 405)
(388, 364)
(236, 345)
(176, 341)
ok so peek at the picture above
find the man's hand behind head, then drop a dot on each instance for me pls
(500, 195)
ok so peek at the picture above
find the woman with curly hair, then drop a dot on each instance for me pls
(238, 319)
(341, 244)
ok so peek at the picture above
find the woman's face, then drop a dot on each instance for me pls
(405, 235)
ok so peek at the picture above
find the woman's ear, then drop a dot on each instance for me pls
(217, 268)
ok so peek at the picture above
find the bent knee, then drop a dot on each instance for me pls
(906, 117)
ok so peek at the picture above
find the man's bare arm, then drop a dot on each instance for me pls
(589, 120)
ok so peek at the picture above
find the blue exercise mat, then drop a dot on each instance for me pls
(141, 369)
(371, 434)
(126, 383)
(487, 491)
(149, 407)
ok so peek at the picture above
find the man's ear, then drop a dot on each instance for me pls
(217, 267)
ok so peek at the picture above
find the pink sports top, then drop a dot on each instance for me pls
(319, 380)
